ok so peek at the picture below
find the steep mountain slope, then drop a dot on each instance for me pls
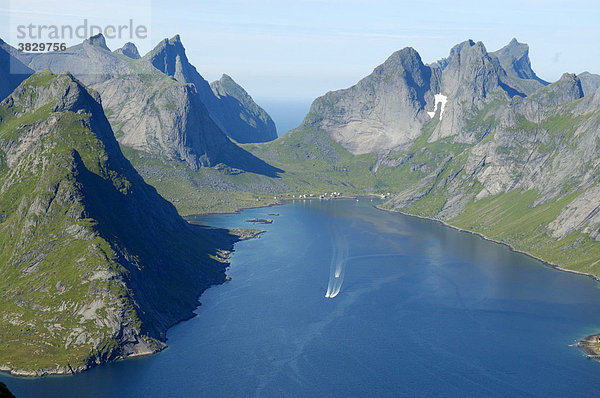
(229, 105)
(531, 182)
(514, 59)
(129, 50)
(12, 70)
(521, 167)
(95, 264)
(590, 82)
(387, 110)
(150, 111)
(383, 111)
(234, 100)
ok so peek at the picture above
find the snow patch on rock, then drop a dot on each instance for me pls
(439, 99)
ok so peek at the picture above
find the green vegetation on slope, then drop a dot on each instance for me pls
(95, 265)
(512, 218)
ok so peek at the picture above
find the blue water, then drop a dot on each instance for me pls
(286, 113)
(421, 310)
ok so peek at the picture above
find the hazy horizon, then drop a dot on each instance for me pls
(282, 51)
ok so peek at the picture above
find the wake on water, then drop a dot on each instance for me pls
(338, 263)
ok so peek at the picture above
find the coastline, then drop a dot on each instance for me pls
(590, 346)
(68, 370)
(240, 234)
(586, 343)
(280, 202)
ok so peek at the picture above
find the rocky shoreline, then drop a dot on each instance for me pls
(591, 346)
(240, 234)
(69, 370)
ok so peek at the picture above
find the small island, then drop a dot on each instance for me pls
(260, 221)
(591, 346)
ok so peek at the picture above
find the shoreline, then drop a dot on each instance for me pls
(585, 344)
(589, 345)
(68, 370)
(280, 202)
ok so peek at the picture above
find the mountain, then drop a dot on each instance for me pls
(96, 265)
(150, 111)
(234, 100)
(384, 110)
(232, 109)
(590, 82)
(387, 110)
(12, 70)
(466, 142)
(514, 59)
(129, 50)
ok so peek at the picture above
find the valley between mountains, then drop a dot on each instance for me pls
(102, 151)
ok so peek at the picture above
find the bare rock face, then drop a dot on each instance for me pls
(478, 140)
(546, 143)
(387, 110)
(96, 265)
(151, 111)
(566, 90)
(234, 100)
(590, 82)
(129, 50)
(383, 111)
(228, 104)
(514, 59)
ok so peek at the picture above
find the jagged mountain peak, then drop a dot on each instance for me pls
(244, 125)
(226, 85)
(570, 85)
(254, 123)
(470, 72)
(383, 111)
(404, 53)
(566, 89)
(514, 59)
(467, 47)
(460, 50)
(590, 82)
(97, 40)
(170, 58)
(406, 59)
(61, 93)
(129, 50)
(173, 46)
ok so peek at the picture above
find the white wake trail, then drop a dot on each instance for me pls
(339, 259)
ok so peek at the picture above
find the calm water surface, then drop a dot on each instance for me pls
(414, 309)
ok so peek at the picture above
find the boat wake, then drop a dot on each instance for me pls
(338, 263)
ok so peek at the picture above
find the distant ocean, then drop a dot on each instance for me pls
(286, 113)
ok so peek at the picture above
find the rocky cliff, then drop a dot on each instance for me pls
(514, 59)
(95, 264)
(476, 140)
(387, 110)
(590, 82)
(234, 100)
(228, 104)
(149, 110)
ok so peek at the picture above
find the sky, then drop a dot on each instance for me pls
(298, 50)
